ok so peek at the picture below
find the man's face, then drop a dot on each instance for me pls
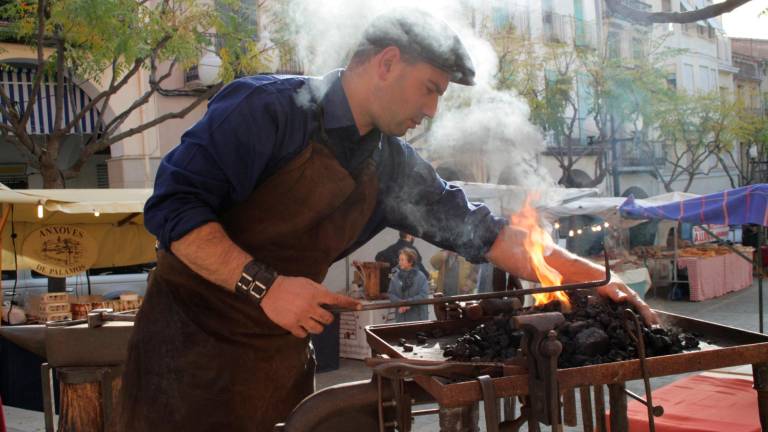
(408, 94)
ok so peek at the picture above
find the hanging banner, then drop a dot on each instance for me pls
(701, 236)
(60, 250)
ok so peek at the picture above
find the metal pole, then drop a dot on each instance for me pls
(760, 240)
(614, 150)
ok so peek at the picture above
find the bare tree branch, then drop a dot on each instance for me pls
(41, 5)
(114, 89)
(107, 140)
(641, 17)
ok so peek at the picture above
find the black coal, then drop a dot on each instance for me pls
(593, 333)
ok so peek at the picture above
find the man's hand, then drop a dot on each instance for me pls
(294, 303)
(618, 291)
(403, 309)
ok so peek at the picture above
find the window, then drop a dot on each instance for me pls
(703, 79)
(637, 49)
(102, 176)
(666, 5)
(613, 45)
(688, 77)
(672, 82)
(500, 18)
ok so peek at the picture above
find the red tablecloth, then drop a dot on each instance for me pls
(700, 403)
(714, 276)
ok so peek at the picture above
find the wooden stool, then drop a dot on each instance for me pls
(87, 395)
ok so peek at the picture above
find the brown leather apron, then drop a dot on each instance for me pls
(204, 359)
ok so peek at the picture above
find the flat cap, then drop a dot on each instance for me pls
(425, 36)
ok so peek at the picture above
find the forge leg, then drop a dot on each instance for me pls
(508, 407)
(461, 419)
(586, 409)
(600, 408)
(617, 398)
(760, 378)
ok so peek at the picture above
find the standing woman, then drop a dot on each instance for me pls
(409, 283)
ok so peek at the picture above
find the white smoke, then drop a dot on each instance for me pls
(497, 121)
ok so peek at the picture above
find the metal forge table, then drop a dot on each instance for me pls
(387, 401)
(721, 346)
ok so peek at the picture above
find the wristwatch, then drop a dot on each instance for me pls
(255, 281)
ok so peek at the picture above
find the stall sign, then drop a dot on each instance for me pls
(60, 250)
(701, 236)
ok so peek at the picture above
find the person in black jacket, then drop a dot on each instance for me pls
(391, 254)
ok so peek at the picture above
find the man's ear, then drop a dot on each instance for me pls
(386, 62)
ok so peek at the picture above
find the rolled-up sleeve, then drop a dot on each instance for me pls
(218, 162)
(423, 204)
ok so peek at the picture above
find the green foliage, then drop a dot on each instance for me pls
(107, 42)
(101, 34)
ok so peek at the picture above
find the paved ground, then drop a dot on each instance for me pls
(739, 309)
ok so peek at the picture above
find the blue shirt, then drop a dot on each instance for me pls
(254, 125)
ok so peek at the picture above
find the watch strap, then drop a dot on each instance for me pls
(255, 280)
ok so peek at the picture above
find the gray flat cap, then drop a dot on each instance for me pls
(425, 36)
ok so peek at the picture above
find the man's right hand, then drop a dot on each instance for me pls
(295, 304)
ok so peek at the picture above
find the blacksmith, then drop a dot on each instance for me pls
(282, 177)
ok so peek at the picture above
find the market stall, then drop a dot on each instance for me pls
(60, 233)
(110, 220)
(716, 274)
(634, 269)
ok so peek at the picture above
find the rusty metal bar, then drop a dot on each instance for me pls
(569, 407)
(760, 379)
(427, 411)
(586, 409)
(600, 408)
(657, 410)
(481, 296)
(635, 330)
(617, 397)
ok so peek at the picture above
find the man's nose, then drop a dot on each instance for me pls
(430, 108)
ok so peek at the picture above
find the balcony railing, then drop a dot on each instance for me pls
(517, 22)
(748, 71)
(635, 155)
(637, 4)
(569, 29)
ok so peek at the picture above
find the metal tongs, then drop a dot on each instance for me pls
(495, 294)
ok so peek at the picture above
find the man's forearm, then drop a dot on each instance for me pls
(508, 253)
(209, 252)
(574, 268)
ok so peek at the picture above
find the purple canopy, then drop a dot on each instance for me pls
(744, 205)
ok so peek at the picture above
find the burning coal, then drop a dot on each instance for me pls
(593, 332)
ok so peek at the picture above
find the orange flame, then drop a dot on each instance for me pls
(535, 244)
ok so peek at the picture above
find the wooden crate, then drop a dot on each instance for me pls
(49, 308)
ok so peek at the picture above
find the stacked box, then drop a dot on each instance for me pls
(82, 305)
(53, 307)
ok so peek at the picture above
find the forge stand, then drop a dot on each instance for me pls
(403, 380)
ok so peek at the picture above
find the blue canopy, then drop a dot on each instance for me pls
(744, 205)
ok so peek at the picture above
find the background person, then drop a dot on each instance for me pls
(391, 253)
(408, 283)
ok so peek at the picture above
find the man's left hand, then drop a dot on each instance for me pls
(618, 291)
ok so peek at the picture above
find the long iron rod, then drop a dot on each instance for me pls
(495, 294)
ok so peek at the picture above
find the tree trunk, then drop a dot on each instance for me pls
(52, 178)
